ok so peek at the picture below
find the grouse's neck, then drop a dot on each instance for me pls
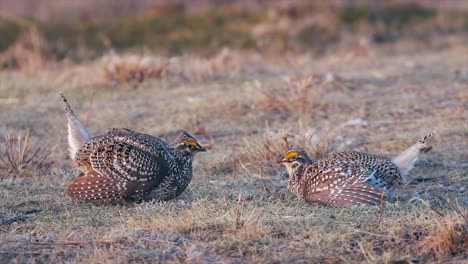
(185, 165)
(295, 178)
(184, 160)
(185, 174)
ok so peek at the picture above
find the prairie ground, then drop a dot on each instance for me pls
(237, 207)
(246, 107)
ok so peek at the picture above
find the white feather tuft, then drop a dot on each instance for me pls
(405, 161)
(77, 133)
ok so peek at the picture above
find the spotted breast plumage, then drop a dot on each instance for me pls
(123, 166)
(348, 178)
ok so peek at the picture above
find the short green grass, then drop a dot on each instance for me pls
(237, 208)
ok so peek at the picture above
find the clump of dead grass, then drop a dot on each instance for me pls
(274, 143)
(245, 224)
(134, 69)
(294, 96)
(446, 236)
(433, 237)
(137, 69)
(20, 156)
(226, 63)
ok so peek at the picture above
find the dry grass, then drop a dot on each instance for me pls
(18, 155)
(439, 238)
(448, 236)
(137, 69)
(130, 70)
(269, 146)
(237, 207)
(297, 96)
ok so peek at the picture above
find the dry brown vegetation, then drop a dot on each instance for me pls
(237, 207)
(298, 95)
(137, 69)
(19, 156)
(248, 107)
(267, 148)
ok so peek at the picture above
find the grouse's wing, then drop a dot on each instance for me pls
(343, 180)
(126, 155)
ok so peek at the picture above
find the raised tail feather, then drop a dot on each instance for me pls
(405, 161)
(77, 133)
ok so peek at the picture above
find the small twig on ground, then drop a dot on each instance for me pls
(238, 212)
(74, 243)
(382, 208)
(426, 203)
(41, 252)
(457, 208)
(373, 234)
(263, 182)
(245, 168)
(286, 143)
(365, 253)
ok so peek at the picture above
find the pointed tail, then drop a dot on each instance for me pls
(405, 161)
(77, 133)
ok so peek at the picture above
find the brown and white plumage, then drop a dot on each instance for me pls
(347, 178)
(123, 166)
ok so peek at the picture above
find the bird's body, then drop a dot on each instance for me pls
(347, 178)
(123, 166)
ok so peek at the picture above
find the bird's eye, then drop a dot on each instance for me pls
(293, 158)
(190, 146)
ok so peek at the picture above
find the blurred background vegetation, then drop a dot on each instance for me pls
(55, 30)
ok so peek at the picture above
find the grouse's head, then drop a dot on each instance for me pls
(295, 157)
(187, 145)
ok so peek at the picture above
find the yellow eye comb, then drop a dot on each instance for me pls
(191, 142)
(290, 154)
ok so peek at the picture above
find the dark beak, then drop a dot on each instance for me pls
(281, 160)
(201, 149)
